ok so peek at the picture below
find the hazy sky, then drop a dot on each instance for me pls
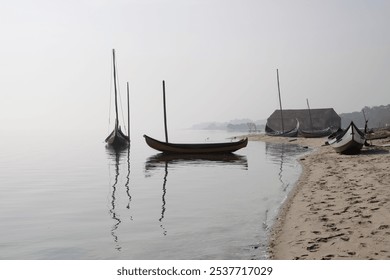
(218, 58)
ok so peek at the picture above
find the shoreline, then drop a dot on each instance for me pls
(340, 206)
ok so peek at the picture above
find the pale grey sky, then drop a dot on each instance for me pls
(218, 58)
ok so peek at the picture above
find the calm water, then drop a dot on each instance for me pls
(65, 196)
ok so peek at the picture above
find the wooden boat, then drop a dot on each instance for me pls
(117, 139)
(200, 148)
(348, 141)
(315, 133)
(203, 148)
(289, 133)
(284, 133)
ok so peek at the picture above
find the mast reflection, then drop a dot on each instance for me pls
(163, 199)
(282, 154)
(277, 155)
(116, 156)
(161, 160)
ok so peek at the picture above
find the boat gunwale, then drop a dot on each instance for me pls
(224, 147)
(290, 133)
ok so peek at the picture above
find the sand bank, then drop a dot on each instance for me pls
(340, 207)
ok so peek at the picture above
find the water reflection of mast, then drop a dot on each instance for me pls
(128, 181)
(113, 199)
(284, 185)
(277, 152)
(116, 155)
(161, 160)
(163, 199)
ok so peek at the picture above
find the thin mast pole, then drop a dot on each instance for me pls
(165, 113)
(311, 121)
(365, 121)
(115, 89)
(128, 111)
(280, 100)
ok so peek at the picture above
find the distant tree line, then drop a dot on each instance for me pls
(377, 116)
(242, 125)
(245, 127)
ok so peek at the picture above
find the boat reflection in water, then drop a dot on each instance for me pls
(283, 154)
(161, 159)
(172, 161)
(117, 158)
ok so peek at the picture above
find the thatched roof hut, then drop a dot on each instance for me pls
(315, 119)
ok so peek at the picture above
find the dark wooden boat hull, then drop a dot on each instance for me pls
(315, 133)
(349, 141)
(117, 139)
(204, 148)
(290, 133)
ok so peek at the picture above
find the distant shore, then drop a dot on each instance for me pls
(339, 208)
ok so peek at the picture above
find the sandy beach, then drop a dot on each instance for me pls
(339, 208)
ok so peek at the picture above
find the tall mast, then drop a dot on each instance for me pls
(365, 121)
(311, 121)
(280, 100)
(165, 113)
(115, 89)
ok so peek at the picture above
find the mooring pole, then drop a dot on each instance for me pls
(280, 100)
(165, 113)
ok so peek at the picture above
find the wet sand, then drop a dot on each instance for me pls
(339, 208)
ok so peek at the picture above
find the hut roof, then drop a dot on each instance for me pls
(308, 119)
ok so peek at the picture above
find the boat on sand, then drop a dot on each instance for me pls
(347, 141)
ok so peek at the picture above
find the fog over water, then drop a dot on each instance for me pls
(75, 199)
(218, 58)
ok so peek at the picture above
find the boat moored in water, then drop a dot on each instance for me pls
(117, 139)
(197, 148)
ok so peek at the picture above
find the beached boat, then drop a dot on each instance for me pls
(288, 133)
(284, 133)
(117, 139)
(347, 141)
(315, 133)
(196, 148)
(202, 148)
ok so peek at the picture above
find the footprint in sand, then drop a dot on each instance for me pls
(313, 248)
(324, 219)
(345, 238)
(383, 226)
(327, 257)
(366, 216)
